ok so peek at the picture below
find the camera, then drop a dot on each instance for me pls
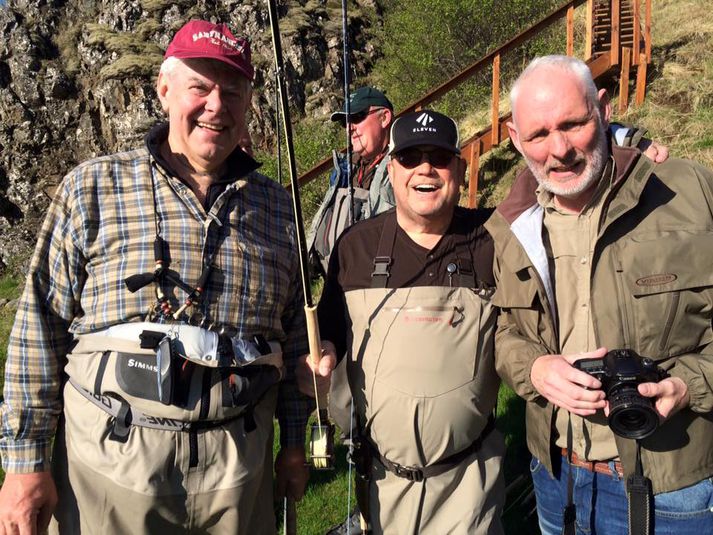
(631, 415)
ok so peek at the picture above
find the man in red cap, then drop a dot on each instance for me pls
(160, 327)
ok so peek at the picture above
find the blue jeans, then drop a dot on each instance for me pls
(602, 506)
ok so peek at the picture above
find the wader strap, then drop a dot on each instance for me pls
(638, 494)
(126, 416)
(104, 359)
(414, 473)
(463, 265)
(383, 259)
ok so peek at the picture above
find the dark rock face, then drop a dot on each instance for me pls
(77, 80)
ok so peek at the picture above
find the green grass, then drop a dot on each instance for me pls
(10, 288)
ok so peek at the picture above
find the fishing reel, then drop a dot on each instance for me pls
(321, 443)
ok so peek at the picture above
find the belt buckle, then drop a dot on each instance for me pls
(408, 472)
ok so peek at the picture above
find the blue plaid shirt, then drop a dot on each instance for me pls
(100, 229)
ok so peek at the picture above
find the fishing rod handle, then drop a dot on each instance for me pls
(315, 342)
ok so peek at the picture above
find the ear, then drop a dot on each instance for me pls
(604, 106)
(390, 171)
(386, 117)
(162, 90)
(514, 136)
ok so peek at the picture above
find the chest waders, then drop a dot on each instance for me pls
(421, 371)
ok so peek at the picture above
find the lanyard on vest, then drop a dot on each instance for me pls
(162, 309)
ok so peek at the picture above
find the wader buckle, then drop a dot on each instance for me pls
(381, 266)
(408, 472)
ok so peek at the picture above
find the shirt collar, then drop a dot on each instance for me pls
(239, 162)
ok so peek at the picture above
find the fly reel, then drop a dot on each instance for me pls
(321, 443)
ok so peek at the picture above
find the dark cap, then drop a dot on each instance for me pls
(361, 100)
(203, 39)
(424, 127)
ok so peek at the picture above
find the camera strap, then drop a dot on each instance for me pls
(638, 495)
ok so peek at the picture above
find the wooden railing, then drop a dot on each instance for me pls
(601, 61)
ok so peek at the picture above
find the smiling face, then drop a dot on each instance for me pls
(426, 195)
(206, 101)
(560, 132)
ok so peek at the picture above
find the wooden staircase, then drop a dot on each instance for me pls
(615, 42)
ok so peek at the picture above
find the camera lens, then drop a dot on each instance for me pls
(630, 414)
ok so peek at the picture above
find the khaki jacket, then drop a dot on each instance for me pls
(652, 291)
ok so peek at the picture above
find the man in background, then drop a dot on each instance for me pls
(370, 118)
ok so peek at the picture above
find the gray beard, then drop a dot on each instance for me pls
(591, 174)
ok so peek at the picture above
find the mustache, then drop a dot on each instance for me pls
(568, 163)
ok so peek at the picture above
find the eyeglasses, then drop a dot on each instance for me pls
(410, 158)
(356, 118)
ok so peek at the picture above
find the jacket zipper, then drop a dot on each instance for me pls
(624, 299)
(669, 320)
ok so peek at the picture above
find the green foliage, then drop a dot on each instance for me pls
(158, 6)
(123, 42)
(138, 56)
(420, 53)
(131, 66)
(66, 41)
(314, 140)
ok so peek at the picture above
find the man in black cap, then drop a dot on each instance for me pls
(370, 117)
(407, 304)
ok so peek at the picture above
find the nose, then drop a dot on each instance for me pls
(215, 100)
(560, 146)
(425, 159)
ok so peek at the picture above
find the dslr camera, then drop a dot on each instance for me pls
(631, 415)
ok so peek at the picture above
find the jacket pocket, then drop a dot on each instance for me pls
(670, 282)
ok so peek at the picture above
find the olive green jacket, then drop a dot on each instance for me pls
(651, 291)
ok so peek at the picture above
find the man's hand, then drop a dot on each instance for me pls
(655, 151)
(671, 395)
(561, 384)
(322, 371)
(291, 473)
(27, 502)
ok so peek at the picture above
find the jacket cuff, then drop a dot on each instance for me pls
(700, 397)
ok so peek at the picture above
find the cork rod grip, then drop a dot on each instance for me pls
(315, 342)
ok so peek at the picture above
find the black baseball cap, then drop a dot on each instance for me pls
(424, 127)
(361, 100)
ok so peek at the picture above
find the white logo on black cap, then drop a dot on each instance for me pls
(424, 119)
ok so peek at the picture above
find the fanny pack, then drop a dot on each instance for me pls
(176, 372)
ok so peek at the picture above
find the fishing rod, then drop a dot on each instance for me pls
(347, 108)
(363, 520)
(322, 433)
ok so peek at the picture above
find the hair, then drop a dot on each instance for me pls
(565, 64)
(170, 63)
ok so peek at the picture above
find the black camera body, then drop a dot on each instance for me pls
(631, 415)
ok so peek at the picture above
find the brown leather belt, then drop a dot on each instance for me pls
(601, 467)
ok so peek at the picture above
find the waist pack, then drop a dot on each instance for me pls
(179, 372)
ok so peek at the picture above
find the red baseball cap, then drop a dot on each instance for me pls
(203, 39)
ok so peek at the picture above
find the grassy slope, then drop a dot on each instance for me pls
(678, 112)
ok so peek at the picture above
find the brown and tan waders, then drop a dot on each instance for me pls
(422, 374)
(216, 480)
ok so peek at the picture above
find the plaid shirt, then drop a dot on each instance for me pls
(100, 229)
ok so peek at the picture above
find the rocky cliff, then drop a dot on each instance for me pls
(77, 80)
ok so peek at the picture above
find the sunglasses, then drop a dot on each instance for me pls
(410, 158)
(356, 118)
